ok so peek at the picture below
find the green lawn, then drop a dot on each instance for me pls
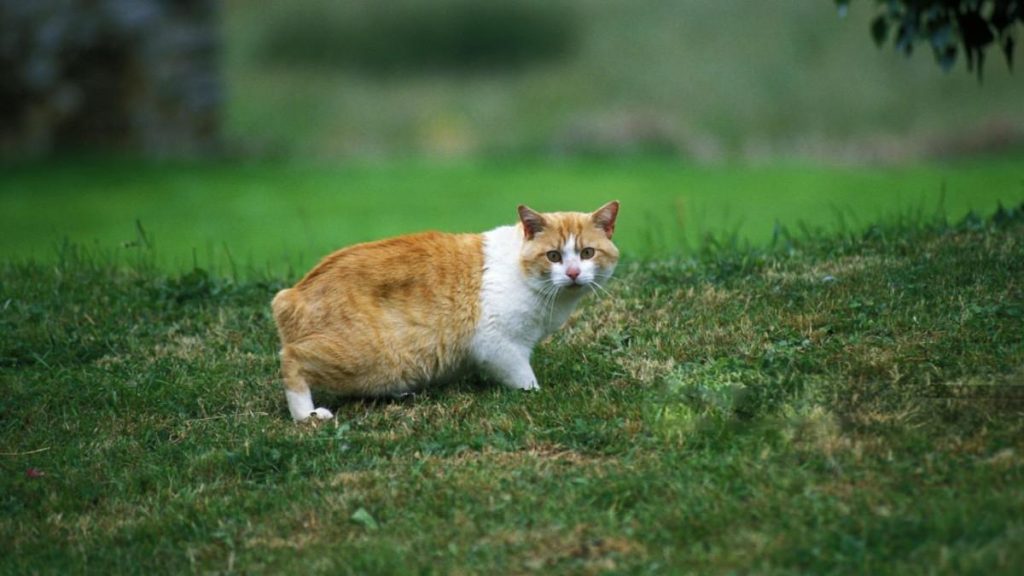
(841, 404)
(282, 215)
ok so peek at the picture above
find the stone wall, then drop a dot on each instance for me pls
(137, 76)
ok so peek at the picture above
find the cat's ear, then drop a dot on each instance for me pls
(532, 221)
(604, 217)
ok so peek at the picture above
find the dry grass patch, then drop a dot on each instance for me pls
(581, 549)
(541, 458)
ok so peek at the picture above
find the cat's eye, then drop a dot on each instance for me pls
(554, 256)
(587, 253)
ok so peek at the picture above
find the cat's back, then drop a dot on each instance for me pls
(418, 254)
(407, 284)
(402, 267)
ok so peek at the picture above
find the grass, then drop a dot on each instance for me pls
(226, 217)
(840, 403)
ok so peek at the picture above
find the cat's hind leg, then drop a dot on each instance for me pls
(300, 404)
(297, 392)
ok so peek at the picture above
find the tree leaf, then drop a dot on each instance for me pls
(1008, 45)
(974, 30)
(941, 36)
(905, 38)
(879, 30)
(946, 57)
(843, 7)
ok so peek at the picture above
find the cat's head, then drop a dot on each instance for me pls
(568, 250)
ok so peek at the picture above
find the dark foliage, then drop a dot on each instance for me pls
(949, 27)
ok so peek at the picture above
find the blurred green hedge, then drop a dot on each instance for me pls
(414, 35)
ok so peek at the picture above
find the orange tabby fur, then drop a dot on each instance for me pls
(381, 317)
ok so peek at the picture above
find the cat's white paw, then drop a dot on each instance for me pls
(322, 414)
(300, 404)
(529, 386)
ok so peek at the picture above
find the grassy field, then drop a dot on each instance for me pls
(238, 217)
(839, 404)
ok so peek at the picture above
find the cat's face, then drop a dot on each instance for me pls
(569, 250)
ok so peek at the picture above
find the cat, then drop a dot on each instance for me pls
(388, 317)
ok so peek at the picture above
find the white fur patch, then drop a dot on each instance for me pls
(300, 404)
(516, 312)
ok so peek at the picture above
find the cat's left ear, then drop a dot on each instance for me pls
(604, 217)
(532, 221)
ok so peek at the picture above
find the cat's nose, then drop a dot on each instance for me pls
(572, 272)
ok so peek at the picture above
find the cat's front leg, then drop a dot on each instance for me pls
(510, 365)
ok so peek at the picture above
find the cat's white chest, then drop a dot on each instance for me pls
(513, 315)
(511, 311)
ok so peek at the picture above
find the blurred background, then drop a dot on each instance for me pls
(279, 130)
(711, 81)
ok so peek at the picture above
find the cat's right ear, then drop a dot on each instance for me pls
(605, 217)
(532, 221)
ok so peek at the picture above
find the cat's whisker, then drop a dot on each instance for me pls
(601, 291)
(550, 294)
(556, 291)
(554, 300)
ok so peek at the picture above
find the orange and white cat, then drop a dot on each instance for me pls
(388, 317)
